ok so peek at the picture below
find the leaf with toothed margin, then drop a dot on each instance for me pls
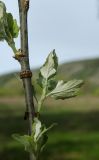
(66, 90)
(49, 69)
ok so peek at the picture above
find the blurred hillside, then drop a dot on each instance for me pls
(87, 70)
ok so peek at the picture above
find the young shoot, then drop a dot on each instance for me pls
(36, 142)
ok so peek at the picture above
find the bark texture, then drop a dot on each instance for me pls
(24, 62)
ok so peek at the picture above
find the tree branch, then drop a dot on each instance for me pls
(24, 62)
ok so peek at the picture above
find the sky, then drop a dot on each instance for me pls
(71, 27)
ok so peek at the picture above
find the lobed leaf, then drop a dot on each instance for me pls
(66, 90)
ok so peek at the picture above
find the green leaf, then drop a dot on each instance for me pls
(49, 69)
(37, 141)
(2, 21)
(51, 84)
(2, 32)
(36, 129)
(42, 142)
(2, 9)
(43, 138)
(44, 130)
(41, 81)
(24, 140)
(12, 25)
(8, 27)
(65, 90)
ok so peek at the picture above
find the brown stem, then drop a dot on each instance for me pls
(24, 62)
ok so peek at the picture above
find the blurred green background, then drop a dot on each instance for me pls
(76, 137)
